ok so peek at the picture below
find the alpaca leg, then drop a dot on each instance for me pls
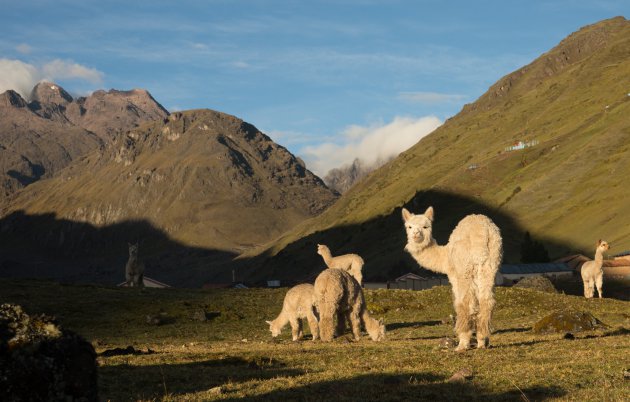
(295, 328)
(599, 282)
(342, 318)
(486, 305)
(588, 288)
(463, 329)
(355, 321)
(312, 324)
(326, 321)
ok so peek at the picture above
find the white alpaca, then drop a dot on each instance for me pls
(338, 294)
(134, 270)
(351, 263)
(471, 260)
(298, 303)
(592, 272)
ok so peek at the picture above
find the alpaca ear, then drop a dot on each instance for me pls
(599, 242)
(380, 321)
(268, 322)
(406, 214)
(429, 213)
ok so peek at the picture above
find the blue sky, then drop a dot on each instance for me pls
(330, 80)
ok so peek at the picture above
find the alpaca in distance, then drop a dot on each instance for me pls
(470, 259)
(134, 270)
(592, 272)
(298, 303)
(351, 263)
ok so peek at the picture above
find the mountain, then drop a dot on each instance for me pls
(342, 178)
(196, 189)
(545, 150)
(40, 137)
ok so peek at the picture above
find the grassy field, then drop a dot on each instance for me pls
(232, 355)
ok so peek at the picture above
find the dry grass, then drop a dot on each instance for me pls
(232, 356)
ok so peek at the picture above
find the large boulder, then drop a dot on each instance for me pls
(563, 321)
(537, 282)
(40, 361)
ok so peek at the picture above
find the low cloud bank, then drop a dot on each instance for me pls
(22, 77)
(369, 144)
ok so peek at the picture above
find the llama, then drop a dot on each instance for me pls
(592, 272)
(298, 303)
(337, 293)
(134, 270)
(351, 263)
(471, 260)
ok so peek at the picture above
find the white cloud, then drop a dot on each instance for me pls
(372, 143)
(430, 98)
(22, 77)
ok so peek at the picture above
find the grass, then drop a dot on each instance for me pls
(232, 355)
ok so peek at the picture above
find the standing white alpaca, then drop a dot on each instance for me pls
(351, 263)
(339, 295)
(134, 270)
(592, 272)
(298, 303)
(471, 260)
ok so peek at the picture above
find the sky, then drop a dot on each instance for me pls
(329, 80)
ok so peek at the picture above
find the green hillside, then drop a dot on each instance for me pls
(233, 357)
(567, 190)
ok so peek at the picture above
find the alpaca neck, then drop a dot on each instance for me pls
(281, 320)
(328, 258)
(599, 257)
(433, 257)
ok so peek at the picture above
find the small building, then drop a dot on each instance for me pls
(148, 283)
(516, 272)
(273, 283)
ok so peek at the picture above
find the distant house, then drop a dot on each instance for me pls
(518, 145)
(516, 272)
(273, 283)
(148, 283)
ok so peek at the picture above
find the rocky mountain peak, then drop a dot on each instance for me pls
(11, 98)
(50, 93)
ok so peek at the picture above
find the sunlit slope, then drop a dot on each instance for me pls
(569, 188)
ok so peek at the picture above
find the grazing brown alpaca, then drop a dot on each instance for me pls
(592, 272)
(470, 259)
(337, 293)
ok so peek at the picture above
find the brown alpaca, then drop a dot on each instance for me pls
(134, 270)
(351, 263)
(471, 260)
(298, 303)
(592, 272)
(338, 294)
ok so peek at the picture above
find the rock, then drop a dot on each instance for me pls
(626, 374)
(569, 336)
(567, 321)
(448, 343)
(160, 318)
(40, 361)
(200, 315)
(461, 375)
(537, 282)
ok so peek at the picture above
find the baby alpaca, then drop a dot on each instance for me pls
(592, 272)
(298, 303)
(337, 293)
(134, 270)
(351, 263)
(471, 260)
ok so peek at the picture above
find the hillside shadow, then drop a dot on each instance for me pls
(381, 241)
(155, 381)
(45, 247)
(401, 387)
